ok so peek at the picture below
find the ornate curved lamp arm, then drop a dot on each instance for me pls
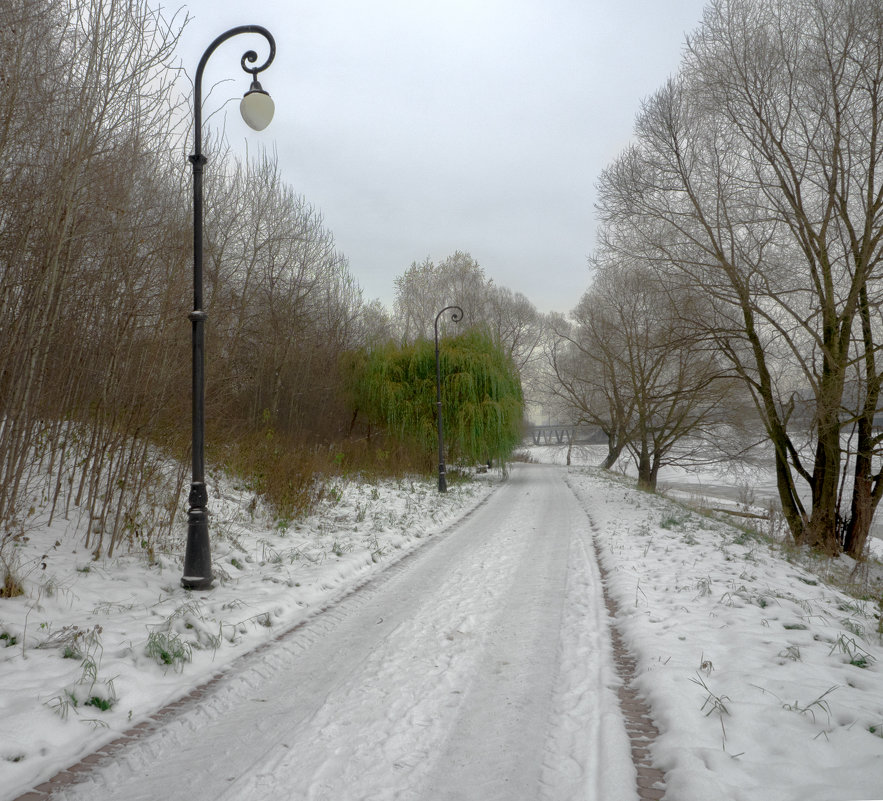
(249, 56)
(456, 316)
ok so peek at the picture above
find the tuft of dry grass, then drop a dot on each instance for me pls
(281, 472)
(12, 585)
(292, 476)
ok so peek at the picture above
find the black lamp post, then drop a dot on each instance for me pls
(456, 316)
(256, 108)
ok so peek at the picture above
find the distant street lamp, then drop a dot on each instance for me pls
(256, 108)
(456, 316)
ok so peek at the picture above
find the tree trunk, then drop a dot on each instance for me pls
(821, 529)
(865, 492)
(614, 449)
(654, 469)
(860, 516)
(646, 479)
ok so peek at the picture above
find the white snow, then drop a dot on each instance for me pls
(273, 578)
(764, 681)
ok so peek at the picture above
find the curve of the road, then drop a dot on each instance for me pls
(478, 669)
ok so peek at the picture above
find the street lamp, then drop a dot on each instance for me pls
(456, 316)
(256, 108)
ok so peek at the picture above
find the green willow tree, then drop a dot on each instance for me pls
(482, 403)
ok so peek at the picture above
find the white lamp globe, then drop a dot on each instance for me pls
(257, 107)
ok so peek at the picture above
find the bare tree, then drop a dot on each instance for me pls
(631, 365)
(515, 323)
(426, 287)
(86, 251)
(509, 317)
(582, 382)
(754, 176)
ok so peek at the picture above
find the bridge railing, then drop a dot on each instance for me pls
(564, 434)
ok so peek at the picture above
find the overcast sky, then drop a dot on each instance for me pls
(420, 128)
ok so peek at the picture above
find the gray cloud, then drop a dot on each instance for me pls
(420, 128)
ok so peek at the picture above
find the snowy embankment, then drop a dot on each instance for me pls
(93, 647)
(765, 680)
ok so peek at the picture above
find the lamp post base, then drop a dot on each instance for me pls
(197, 583)
(197, 557)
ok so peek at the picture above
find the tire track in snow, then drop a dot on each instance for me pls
(467, 718)
(495, 747)
(589, 754)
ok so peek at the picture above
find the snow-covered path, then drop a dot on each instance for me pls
(477, 667)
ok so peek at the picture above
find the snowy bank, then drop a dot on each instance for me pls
(766, 683)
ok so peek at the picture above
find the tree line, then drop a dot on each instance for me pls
(736, 290)
(96, 286)
(739, 258)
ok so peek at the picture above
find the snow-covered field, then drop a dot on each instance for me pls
(765, 681)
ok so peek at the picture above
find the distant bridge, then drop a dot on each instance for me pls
(565, 434)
